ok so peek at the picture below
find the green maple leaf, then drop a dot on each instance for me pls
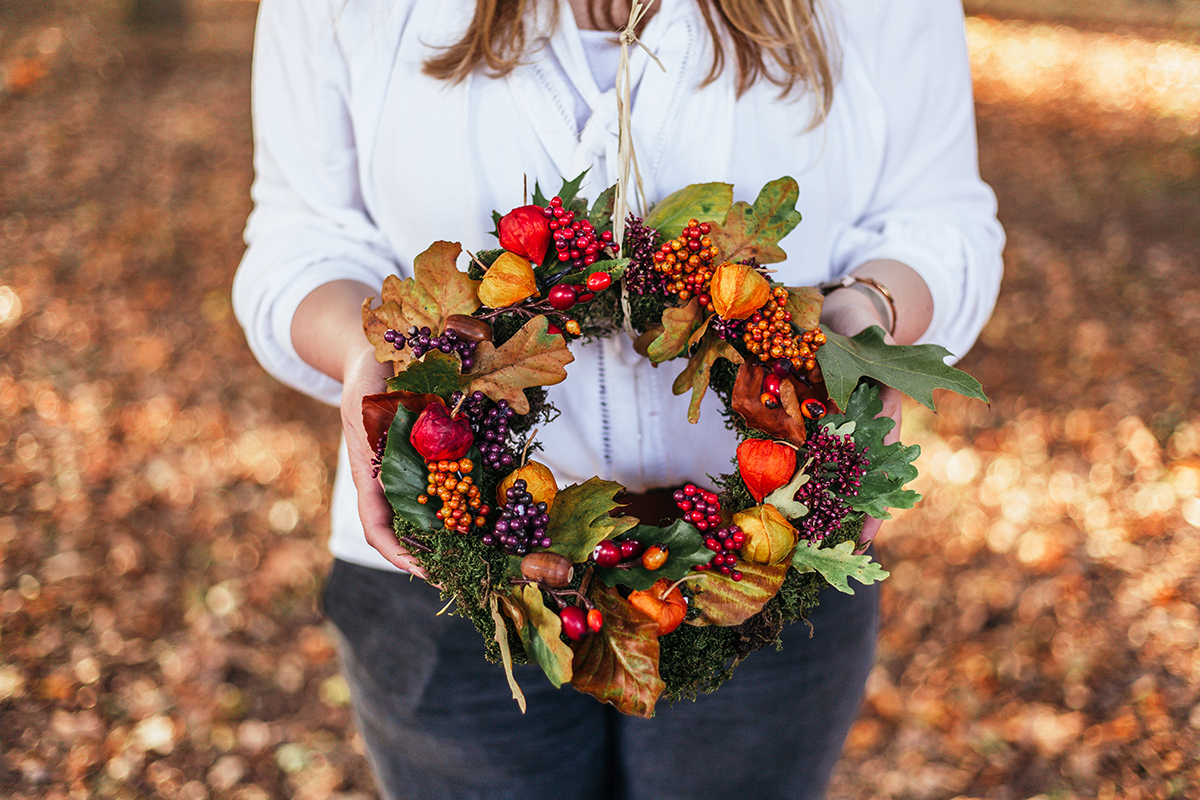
(890, 466)
(685, 549)
(436, 373)
(754, 231)
(838, 564)
(914, 369)
(698, 372)
(706, 202)
(724, 601)
(619, 663)
(580, 518)
(531, 357)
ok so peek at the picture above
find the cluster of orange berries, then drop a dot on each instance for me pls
(769, 334)
(451, 482)
(686, 262)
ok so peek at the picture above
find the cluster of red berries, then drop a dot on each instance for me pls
(450, 482)
(703, 509)
(686, 262)
(724, 543)
(576, 240)
(699, 507)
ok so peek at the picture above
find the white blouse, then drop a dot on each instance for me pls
(362, 162)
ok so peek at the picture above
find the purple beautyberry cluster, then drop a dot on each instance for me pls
(837, 471)
(639, 246)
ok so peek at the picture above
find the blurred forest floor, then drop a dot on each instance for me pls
(162, 501)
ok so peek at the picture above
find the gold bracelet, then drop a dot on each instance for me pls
(881, 298)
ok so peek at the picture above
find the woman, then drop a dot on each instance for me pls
(384, 125)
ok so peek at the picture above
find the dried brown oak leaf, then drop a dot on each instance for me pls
(436, 290)
(532, 357)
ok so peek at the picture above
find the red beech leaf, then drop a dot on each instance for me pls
(619, 663)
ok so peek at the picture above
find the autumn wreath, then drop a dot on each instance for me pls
(626, 611)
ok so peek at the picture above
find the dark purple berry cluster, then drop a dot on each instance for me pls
(522, 523)
(838, 467)
(490, 424)
(640, 245)
(377, 456)
(731, 330)
(422, 340)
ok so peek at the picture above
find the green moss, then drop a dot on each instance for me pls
(463, 567)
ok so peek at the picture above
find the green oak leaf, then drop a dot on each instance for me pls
(579, 518)
(698, 372)
(685, 549)
(706, 202)
(724, 601)
(404, 474)
(540, 630)
(838, 564)
(784, 498)
(914, 369)
(678, 326)
(436, 373)
(532, 357)
(754, 231)
(619, 663)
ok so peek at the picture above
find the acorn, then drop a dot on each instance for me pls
(468, 328)
(549, 568)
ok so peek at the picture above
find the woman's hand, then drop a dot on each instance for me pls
(362, 376)
(327, 333)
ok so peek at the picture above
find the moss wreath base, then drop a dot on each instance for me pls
(626, 611)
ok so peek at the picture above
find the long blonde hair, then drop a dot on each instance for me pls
(785, 42)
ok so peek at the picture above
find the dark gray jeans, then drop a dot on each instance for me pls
(440, 722)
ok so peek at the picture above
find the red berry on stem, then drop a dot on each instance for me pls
(607, 553)
(574, 622)
(630, 548)
(599, 281)
(562, 296)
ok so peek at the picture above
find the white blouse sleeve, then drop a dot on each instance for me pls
(309, 225)
(929, 208)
